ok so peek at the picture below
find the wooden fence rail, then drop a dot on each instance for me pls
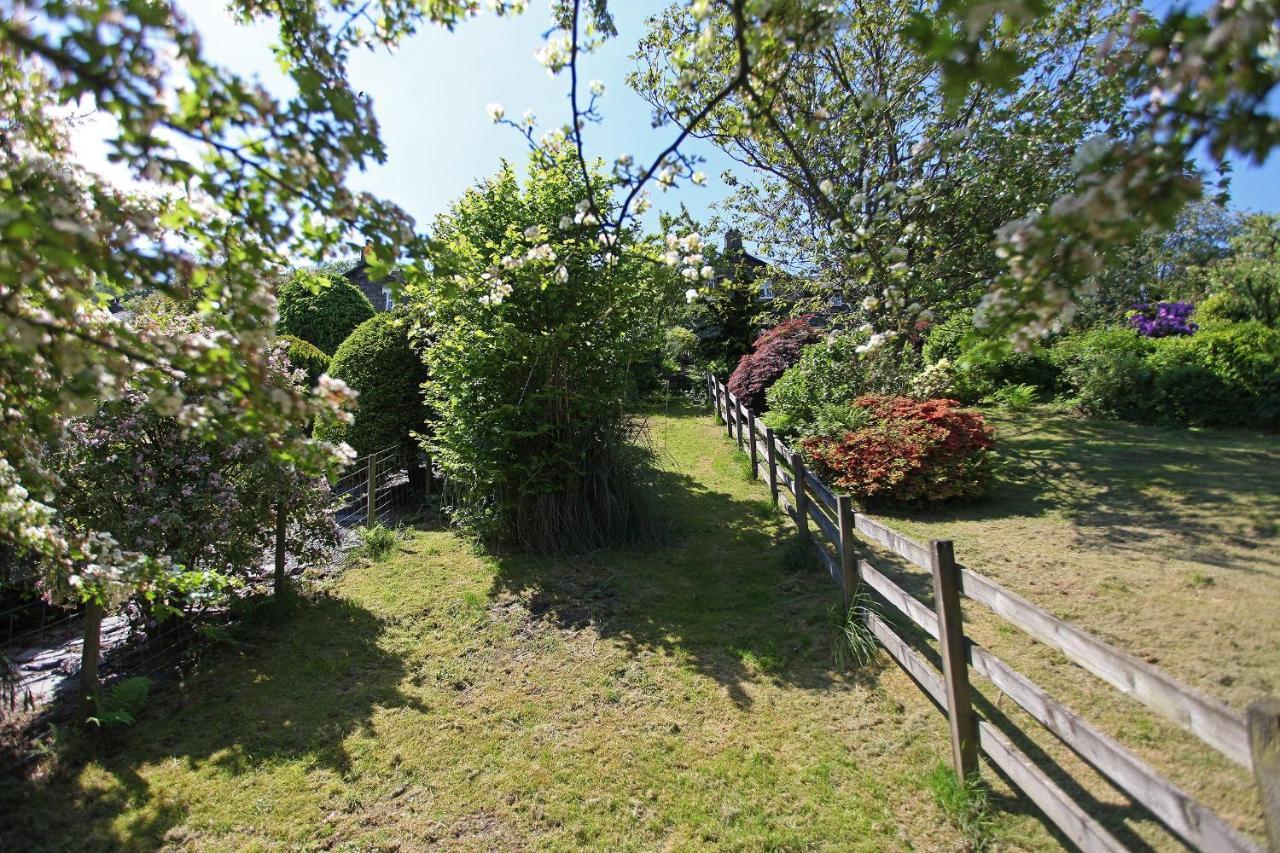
(1253, 741)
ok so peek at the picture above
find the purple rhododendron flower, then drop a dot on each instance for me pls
(1163, 319)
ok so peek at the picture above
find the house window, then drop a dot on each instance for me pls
(387, 301)
(766, 291)
(837, 301)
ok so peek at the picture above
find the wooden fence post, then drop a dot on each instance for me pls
(728, 412)
(955, 666)
(1264, 746)
(802, 497)
(771, 458)
(89, 660)
(371, 493)
(737, 413)
(751, 445)
(848, 555)
(282, 518)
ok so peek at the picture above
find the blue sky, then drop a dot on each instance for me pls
(430, 98)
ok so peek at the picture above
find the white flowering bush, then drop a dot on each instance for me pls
(529, 365)
(202, 509)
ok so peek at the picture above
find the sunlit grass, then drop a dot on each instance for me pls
(680, 697)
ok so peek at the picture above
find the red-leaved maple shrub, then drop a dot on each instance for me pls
(914, 451)
(775, 350)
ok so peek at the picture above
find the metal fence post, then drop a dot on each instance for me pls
(371, 493)
(802, 497)
(848, 556)
(955, 665)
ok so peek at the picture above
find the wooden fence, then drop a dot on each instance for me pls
(1251, 740)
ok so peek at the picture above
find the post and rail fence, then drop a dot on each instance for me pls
(1251, 740)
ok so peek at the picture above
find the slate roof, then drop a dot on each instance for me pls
(359, 276)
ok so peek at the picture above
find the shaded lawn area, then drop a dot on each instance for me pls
(1163, 542)
(677, 697)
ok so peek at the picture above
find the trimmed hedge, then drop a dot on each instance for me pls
(306, 356)
(379, 363)
(324, 317)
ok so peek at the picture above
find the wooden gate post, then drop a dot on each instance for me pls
(771, 459)
(802, 497)
(371, 493)
(955, 665)
(1264, 746)
(848, 556)
(282, 518)
(751, 445)
(89, 660)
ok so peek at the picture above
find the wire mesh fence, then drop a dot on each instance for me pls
(41, 644)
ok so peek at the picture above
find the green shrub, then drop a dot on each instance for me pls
(304, 355)
(1015, 398)
(830, 375)
(1107, 371)
(379, 542)
(983, 367)
(321, 309)
(379, 363)
(1220, 309)
(1220, 376)
(121, 705)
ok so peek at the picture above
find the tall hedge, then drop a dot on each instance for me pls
(379, 363)
(321, 309)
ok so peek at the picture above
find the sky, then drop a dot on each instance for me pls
(430, 96)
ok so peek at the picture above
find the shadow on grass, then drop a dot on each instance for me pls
(1169, 491)
(298, 685)
(724, 595)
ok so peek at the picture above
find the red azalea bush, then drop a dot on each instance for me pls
(913, 451)
(775, 350)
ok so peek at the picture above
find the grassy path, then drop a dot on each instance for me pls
(676, 698)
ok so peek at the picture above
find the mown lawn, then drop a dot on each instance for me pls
(680, 697)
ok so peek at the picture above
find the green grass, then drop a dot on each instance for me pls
(681, 697)
(1162, 542)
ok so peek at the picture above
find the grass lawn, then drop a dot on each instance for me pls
(1165, 543)
(674, 698)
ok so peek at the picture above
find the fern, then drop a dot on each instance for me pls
(121, 705)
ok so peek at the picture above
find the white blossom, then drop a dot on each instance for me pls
(496, 112)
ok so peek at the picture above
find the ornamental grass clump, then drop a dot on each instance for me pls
(776, 350)
(912, 451)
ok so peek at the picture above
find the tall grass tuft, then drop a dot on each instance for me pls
(853, 646)
(965, 804)
(378, 542)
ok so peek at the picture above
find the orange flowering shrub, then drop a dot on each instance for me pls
(923, 451)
